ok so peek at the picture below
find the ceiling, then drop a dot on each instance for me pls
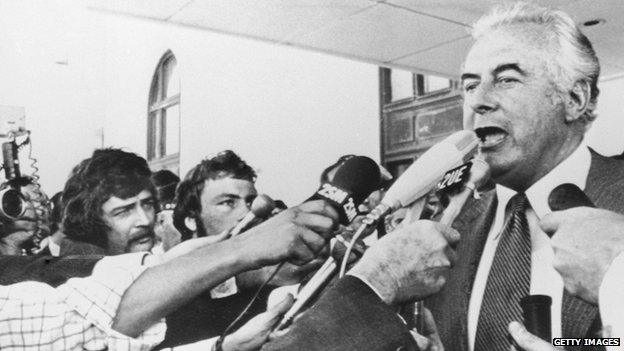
(427, 36)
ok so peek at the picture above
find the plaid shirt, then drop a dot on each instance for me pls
(77, 315)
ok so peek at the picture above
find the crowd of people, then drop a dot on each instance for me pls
(140, 260)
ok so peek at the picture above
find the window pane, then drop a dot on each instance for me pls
(434, 83)
(172, 130)
(172, 79)
(401, 84)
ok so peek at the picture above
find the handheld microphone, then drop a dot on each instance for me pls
(353, 182)
(261, 208)
(536, 313)
(10, 160)
(567, 196)
(479, 174)
(536, 308)
(415, 183)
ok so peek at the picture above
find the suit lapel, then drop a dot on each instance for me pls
(451, 305)
(604, 189)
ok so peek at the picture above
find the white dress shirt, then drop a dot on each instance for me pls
(611, 301)
(544, 279)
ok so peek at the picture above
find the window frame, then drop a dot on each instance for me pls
(158, 104)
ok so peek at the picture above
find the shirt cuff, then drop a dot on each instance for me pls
(203, 345)
(610, 300)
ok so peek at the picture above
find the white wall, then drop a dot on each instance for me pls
(63, 102)
(288, 112)
(607, 132)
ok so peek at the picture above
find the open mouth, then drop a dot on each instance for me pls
(490, 136)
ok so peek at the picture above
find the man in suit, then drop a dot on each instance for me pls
(530, 90)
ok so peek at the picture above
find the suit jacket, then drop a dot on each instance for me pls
(46, 269)
(205, 317)
(605, 187)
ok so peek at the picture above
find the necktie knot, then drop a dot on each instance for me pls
(518, 203)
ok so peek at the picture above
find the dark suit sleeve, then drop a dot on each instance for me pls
(46, 269)
(349, 316)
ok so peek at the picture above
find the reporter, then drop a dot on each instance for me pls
(295, 235)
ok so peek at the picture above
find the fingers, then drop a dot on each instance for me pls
(311, 244)
(551, 222)
(422, 341)
(526, 340)
(320, 207)
(451, 235)
(318, 223)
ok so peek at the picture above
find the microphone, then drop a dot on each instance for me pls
(261, 208)
(415, 183)
(428, 169)
(536, 314)
(536, 308)
(567, 196)
(353, 182)
(479, 174)
(10, 160)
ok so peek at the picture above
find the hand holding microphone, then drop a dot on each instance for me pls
(261, 209)
(585, 241)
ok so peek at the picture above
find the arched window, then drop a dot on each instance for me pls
(163, 121)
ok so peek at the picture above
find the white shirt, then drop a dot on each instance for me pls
(544, 278)
(611, 301)
(77, 315)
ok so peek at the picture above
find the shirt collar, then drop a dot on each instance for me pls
(573, 169)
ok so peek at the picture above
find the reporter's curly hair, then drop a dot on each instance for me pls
(188, 194)
(108, 172)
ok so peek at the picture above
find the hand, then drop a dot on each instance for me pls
(254, 333)
(296, 235)
(288, 274)
(165, 230)
(528, 341)
(411, 263)
(585, 242)
(429, 340)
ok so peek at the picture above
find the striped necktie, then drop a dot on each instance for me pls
(509, 280)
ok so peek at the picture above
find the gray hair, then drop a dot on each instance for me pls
(572, 55)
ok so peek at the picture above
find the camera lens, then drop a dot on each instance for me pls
(12, 203)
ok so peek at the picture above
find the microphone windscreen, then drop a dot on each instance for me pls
(359, 175)
(566, 196)
(537, 316)
(262, 206)
(428, 169)
(353, 182)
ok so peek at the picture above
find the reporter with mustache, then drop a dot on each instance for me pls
(109, 205)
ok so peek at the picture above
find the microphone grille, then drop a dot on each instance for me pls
(262, 206)
(464, 139)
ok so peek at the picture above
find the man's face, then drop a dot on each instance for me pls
(131, 223)
(511, 102)
(224, 202)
